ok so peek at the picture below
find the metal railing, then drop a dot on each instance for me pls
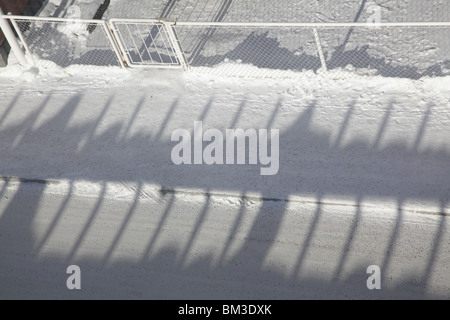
(404, 50)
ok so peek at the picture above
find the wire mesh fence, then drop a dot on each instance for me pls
(68, 42)
(401, 52)
(249, 51)
(271, 51)
(285, 50)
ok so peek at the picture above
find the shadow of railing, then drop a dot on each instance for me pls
(175, 269)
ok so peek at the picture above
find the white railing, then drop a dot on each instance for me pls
(409, 50)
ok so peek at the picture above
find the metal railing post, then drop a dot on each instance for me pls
(12, 40)
(22, 39)
(320, 50)
(176, 44)
(114, 42)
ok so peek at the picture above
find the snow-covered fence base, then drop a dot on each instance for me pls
(66, 42)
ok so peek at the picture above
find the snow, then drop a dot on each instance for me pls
(70, 9)
(175, 246)
(374, 137)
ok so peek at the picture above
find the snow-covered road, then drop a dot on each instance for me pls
(185, 246)
(363, 180)
(365, 138)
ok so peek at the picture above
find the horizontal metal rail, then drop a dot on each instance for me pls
(51, 19)
(112, 20)
(243, 24)
(312, 25)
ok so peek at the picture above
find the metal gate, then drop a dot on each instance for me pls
(148, 43)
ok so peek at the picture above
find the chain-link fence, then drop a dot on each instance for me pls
(249, 51)
(273, 51)
(66, 42)
(403, 50)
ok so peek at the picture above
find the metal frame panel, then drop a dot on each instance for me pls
(148, 43)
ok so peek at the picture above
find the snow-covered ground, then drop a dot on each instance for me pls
(374, 137)
(86, 177)
(186, 246)
(373, 148)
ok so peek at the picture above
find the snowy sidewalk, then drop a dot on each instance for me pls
(87, 179)
(352, 140)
